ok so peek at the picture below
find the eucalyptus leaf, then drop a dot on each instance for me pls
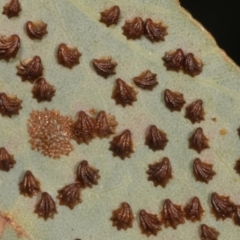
(76, 23)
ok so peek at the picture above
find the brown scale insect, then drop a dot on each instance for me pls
(122, 217)
(237, 166)
(9, 105)
(174, 100)
(160, 172)
(173, 60)
(9, 46)
(150, 224)
(110, 16)
(104, 66)
(70, 195)
(198, 141)
(87, 175)
(6, 160)
(83, 128)
(208, 233)
(236, 215)
(146, 80)
(154, 31)
(30, 69)
(12, 8)
(43, 91)
(134, 28)
(156, 139)
(202, 171)
(122, 145)
(195, 112)
(36, 30)
(68, 56)
(105, 124)
(172, 214)
(123, 93)
(222, 207)
(29, 186)
(193, 210)
(192, 65)
(46, 207)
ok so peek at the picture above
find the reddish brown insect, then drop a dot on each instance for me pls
(173, 60)
(46, 207)
(105, 124)
(122, 217)
(193, 210)
(150, 224)
(156, 139)
(30, 69)
(146, 80)
(192, 65)
(29, 186)
(174, 100)
(9, 46)
(43, 91)
(110, 16)
(123, 93)
(104, 66)
(87, 175)
(122, 145)
(198, 141)
(133, 28)
(12, 8)
(155, 31)
(68, 56)
(36, 30)
(208, 233)
(202, 171)
(172, 214)
(160, 172)
(70, 195)
(9, 105)
(6, 160)
(222, 207)
(195, 112)
(83, 128)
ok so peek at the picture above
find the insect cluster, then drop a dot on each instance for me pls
(51, 133)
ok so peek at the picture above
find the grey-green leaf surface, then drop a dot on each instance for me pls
(76, 23)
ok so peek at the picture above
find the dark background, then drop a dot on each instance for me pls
(222, 19)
